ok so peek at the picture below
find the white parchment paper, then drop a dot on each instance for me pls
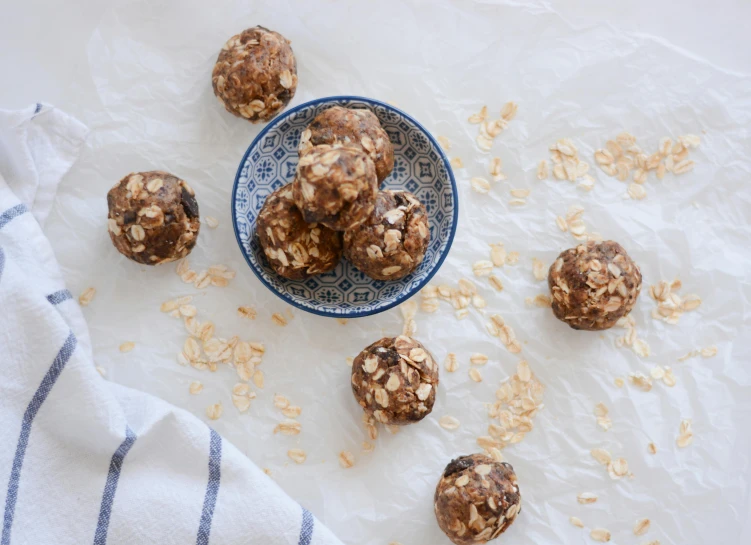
(576, 76)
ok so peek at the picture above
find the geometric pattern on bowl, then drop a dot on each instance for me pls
(420, 166)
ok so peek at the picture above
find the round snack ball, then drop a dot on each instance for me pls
(393, 240)
(295, 249)
(394, 380)
(255, 75)
(335, 186)
(153, 217)
(594, 285)
(338, 125)
(476, 499)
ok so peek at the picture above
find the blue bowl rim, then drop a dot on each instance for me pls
(353, 313)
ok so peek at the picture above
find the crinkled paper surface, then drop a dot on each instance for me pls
(146, 95)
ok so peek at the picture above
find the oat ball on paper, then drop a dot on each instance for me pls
(295, 249)
(348, 126)
(594, 285)
(394, 380)
(335, 186)
(392, 242)
(476, 499)
(153, 217)
(255, 75)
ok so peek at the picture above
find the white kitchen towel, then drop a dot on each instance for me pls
(83, 460)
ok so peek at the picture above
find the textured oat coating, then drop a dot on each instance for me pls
(153, 217)
(255, 75)
(594, 285)
(338, 125)
(295, 249)
(476, 499)
(335, 186)
(394, 380)
(393, 240)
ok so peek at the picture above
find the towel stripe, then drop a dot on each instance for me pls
(212, 489)
(306, 530)
(23, 441)
(59, 296)
(110, 487)
(11, 213)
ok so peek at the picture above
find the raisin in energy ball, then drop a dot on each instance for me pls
(393, 240)
(594, 285)
(153, 217)
(255, 75)
(476, 499)
(336, 187)
(338, 125)
(394, 380)
(295, 249)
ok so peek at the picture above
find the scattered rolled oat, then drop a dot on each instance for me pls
(512, 258)
(495, 282)
(652, 448)
(618, 468)
(86, 297)
(475, 375)
(278, 319)
(480, 185)
(280, 401)
(601, 412)
(288, 427)
(247, 312)
(127, 346)
(101, 370)
(641, 381)
(567, 165)
(586, 497)
(293, 411)
(479, 117)
(349, 361)
(482, 268)
(195, 387)
(496, 169)
(297, 455)
(576, 522)
(641, 527)
(451, 364)
(457, 162)
(619, 382)
(600, 534)
(258, 379)
(211, 221)
(478, 359)
(498, 254)
(542, 170)
(601, 455)
(444, 142)
(449, 423)
(539, 270)
(214, 412)
(685, 434)
(346, 459)
(540, 300)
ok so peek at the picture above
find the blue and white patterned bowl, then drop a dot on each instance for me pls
(420, 166)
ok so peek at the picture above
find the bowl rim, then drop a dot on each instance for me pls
(402, 297)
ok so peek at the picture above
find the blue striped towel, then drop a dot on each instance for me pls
(83, 460)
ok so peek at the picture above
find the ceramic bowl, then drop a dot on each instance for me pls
(420, 166)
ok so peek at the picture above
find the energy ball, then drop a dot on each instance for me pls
(153, 217)
(255, 75)
(393, 240)
(338, 125)
(394, 380)
(336, 187)
(476, 499)
(295, 249)
(594, 285)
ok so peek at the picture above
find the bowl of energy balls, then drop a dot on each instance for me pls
(344, 206)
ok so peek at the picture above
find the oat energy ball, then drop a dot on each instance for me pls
(476, 499)
(347, 126)
(393, 240)
(594, 285)
(394, 380)
(255, 75)
(153, 217)
(335, 186)
(295, 249)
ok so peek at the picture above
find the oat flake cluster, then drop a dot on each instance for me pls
(255, 75)
(594, 285)
(476, 499)
(395, 380)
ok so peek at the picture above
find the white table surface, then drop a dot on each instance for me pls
(137, 73)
